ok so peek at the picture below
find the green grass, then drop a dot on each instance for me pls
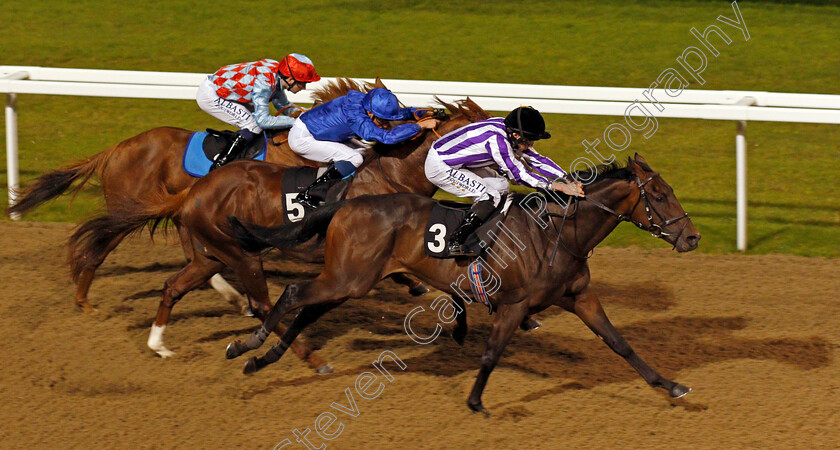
(793, 168)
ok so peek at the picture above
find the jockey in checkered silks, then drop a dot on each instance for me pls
(327, 133)
(459, 163)
(239, 94)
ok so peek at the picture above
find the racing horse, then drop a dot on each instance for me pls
(369, 238)
(142, 171)
(253, 190)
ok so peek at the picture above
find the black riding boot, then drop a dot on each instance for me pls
(317, 191)
(236, 147)
(474, 219)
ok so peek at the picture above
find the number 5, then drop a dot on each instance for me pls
(294, 210)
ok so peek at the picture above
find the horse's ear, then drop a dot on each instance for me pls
(639, 158)
(635, 167)
(379, 83)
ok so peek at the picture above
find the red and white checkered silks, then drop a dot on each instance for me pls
(236, 81)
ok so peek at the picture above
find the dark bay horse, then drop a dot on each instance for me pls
(369, 238)
(252, 190)
(142, 171)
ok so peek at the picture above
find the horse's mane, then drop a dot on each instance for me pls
(341, 86)
(614, 170)
(467, 108)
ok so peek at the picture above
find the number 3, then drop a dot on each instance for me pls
(294, 210)
(440, 231)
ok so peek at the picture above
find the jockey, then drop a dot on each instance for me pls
(326, 134)
(458, 163)
(239, 95)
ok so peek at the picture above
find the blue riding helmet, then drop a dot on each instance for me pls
(383, 104)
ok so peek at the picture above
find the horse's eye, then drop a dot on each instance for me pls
(660, 198)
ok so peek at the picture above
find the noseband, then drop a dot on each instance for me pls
(655, 229)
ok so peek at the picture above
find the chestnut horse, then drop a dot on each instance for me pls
(143, 170)
(372, 237)
(252, 190)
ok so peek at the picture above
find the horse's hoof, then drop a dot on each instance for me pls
(247, 311)
(478, 408)
(251, 366)
(234, 350)
(530, 324)
(679, 390)
(459, 336)
(418, 290)
(164, 352)
(327, 368)
(86, 308)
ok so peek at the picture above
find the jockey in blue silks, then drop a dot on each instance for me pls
(325, 133)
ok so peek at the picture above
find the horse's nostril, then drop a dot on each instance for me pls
(693, 239)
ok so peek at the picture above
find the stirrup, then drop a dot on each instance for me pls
(460, 250)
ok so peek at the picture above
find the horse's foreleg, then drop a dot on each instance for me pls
(588, 308)
(193, 275)
(230, 294)
(508, 320)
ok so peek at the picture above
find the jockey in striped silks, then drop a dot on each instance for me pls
(459, 163)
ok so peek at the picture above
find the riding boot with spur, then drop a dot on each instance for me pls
(317, 191)
(243, 137)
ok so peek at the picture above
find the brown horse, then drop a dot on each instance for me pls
(252, 190)
(542, 262)
(142, 171)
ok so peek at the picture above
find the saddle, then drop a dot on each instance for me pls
(220, 140)
(203, 147)
(297, 179)
(445, 218)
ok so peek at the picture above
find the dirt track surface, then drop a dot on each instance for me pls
(755, 337)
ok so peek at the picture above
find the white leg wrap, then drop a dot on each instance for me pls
(155, 341)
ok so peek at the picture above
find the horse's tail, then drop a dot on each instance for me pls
(53, 184)
(94, 239)
(254, 238)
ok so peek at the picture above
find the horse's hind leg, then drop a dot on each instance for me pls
(329, 288)
(307, 316)
(588, 308)
(86, 274)
(508, 320)
(415, 287)
(250, 272)
(198, 271)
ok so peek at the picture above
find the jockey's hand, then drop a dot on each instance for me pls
(571, 188)
(428, 123)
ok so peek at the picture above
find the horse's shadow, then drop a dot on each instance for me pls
(669, 345)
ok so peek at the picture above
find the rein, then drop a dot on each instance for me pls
(385, 175)
(655, 230)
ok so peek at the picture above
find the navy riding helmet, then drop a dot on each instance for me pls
(528, 123)
(382, 103)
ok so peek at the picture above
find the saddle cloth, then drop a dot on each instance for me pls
(296, 180)
(203, 147)
(445, 218)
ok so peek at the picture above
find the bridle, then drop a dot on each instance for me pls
(655, 229)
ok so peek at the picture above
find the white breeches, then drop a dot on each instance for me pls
(304, 144)
(236, 114)
(477, 184)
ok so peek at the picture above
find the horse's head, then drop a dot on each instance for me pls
(657, 209)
